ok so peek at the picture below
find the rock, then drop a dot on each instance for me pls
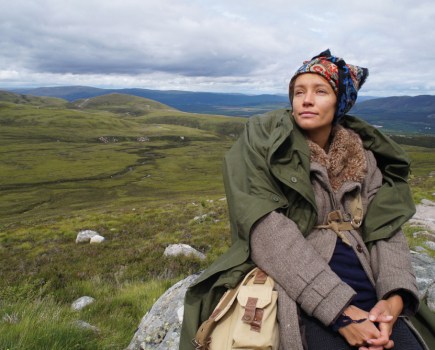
(84, 325)
(82, 302)
(97, 239)
(427, 202)
(424, 234)
(160, 327)
(425, 215)
(85, 236)
(430, 245)
(424, 267)
(200, 218)
(431, 297)
(182, 249)
(420, 249)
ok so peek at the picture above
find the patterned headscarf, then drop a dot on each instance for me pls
(345, 79)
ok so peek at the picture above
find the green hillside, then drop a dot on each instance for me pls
(62, 160)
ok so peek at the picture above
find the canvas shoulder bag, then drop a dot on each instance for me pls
(245, 317)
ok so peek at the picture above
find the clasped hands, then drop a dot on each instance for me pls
(368, 336)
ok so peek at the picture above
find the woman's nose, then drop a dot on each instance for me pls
(308, 98)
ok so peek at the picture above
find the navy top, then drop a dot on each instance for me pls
(347, 266)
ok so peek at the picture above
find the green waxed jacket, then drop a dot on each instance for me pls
(268, 169)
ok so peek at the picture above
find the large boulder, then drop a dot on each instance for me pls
(160, 327)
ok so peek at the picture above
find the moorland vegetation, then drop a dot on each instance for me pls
(134, 170)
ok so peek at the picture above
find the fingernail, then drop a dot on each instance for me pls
(369, 341)
(372, 318)
(389, 317)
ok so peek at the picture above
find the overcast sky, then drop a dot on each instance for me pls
(248, 46)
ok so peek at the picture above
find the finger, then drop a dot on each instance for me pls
(389, 345)
(368, 347)
(384, 336)
(374, 313)
(386, 329)
(381, 341)
(383, 318)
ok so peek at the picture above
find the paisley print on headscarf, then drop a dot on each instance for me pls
(345, 79)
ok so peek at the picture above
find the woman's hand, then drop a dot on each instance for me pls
(385, 312)
(357, 334)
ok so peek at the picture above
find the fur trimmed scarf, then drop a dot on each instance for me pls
(345, 159)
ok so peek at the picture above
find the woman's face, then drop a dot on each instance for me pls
(314, 104)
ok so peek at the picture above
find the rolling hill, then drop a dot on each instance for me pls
(196, 102)
(121, 103)
(31, 100)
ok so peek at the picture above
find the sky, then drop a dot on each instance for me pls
(242, 46)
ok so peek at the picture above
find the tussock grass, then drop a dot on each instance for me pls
(42, 265)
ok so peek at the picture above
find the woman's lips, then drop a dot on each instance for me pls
(307, 114)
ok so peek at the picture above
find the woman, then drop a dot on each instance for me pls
(316, 199)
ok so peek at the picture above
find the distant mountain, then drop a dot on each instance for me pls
(120, 103)
(69, 93)
(398, 112)
(188, 101)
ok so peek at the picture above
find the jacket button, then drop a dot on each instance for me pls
(359, 248)
(294, 179)
(275, 198)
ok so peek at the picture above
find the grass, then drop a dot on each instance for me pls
(422, 179)
(137, 179)
(125, 275)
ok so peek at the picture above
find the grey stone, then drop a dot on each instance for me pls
(430, 245)
(182, 249)
(87, 326)
(427, 202)
(160, 327)
(425, 215)
(420, 249)
(85, 236)
(424, 267)
(425, 235)
(97, 239)
(431, 297)
(200, 218)
(82, 302)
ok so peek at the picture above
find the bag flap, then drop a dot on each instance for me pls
(262, 292)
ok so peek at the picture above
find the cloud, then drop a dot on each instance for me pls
(247, 46)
